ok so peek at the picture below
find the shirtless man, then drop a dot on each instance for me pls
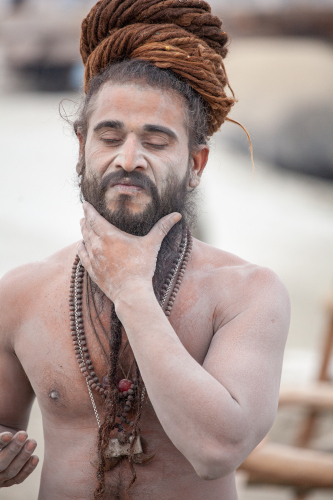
(203, 371)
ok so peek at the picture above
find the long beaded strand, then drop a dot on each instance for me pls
(172, 282)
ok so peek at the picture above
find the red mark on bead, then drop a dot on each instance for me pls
(124, 385)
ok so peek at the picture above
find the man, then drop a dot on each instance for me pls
(181, 393)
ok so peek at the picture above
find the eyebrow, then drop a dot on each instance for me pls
(115, 124)
(159, 128)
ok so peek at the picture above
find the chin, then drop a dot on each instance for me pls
(127, 201)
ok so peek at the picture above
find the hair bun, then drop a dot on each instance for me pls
(180, 35)
(192, 15)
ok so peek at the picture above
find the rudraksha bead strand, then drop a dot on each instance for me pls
(171, 284)
(180, 274)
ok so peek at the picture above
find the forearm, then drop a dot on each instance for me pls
(196, 411)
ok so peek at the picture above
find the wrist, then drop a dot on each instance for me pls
(133, 296)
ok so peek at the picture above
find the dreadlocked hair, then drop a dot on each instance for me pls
(111, 401)
(111, 405)
(183, 37)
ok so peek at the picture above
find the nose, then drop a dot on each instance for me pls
(131, 157)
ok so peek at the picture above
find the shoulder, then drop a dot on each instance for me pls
(24, 286)
(237, 285)
(24, 277)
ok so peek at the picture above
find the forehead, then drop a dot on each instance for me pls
(138, 105)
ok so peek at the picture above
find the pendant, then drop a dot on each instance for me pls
(118, 449)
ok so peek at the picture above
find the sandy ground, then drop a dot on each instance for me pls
(280, 220)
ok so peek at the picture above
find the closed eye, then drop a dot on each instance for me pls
(154, 146)
(111, 141)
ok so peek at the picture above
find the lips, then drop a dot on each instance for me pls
(127, 188)
(130, 180)
(127, 183)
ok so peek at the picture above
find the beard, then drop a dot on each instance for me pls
(176, 197)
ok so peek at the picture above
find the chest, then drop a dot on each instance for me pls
(45, 348)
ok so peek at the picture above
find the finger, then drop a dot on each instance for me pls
(5, 437)
(19, 461)
(94, 221)
(84, 257)
(13, 448)
(25, 472)
(85, 233)
(163, 226)
(83, 254)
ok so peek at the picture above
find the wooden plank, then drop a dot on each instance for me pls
(289, 466)
(318, 395)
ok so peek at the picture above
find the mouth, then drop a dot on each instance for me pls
(127, 188)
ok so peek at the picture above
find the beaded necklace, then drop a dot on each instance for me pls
(126, 388)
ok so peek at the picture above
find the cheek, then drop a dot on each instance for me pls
(97, 160)
(97, 153)
(176, 161)
(175, 174)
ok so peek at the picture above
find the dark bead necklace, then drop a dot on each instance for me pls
(126, 387)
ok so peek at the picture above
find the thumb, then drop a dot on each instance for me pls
(163, 226)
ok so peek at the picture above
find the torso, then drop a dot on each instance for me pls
(44, 347)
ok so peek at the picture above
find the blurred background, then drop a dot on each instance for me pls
(280, 66)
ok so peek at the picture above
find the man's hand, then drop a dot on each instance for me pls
(16, 462)
(117, 261)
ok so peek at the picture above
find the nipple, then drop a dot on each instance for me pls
(54, 395)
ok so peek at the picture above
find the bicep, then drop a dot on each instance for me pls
(16, 393)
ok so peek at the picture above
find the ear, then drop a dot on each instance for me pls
(198, 162)
(81, 141)
(81, 151)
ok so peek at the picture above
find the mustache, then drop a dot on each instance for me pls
(136, 179)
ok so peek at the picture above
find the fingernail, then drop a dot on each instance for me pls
(22, 437)
(6, 438)
(34, 461)
(30, 446)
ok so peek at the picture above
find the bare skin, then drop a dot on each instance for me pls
(212, 372)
